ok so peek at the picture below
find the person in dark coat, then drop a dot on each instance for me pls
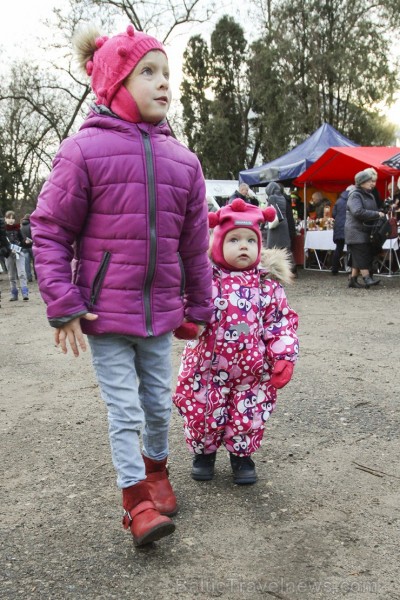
(279, 236)
(243, 193)
(16, 259)
(4, 243)
(339, 214)
(361, 207)
(4, 247)
(375, 191)
(28, 252)
(317, 205)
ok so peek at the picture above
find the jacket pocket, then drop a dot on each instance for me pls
(99, 278)
(183, 277)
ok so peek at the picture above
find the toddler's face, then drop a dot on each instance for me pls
(10, 220)
(240, 248)
(149, 85)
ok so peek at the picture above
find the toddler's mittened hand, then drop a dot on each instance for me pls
(186, 331)
(282, 373)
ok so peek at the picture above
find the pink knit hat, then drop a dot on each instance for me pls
(235, 215)
(114, 59)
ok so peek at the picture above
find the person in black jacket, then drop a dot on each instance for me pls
(317, 205)
(243, 193)
(28, 252)
(4, 246)
(16, 259)
(4, 243)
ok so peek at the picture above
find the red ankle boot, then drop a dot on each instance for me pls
(159, 486)
(141, 517)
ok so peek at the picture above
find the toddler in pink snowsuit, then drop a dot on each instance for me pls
(228, 377)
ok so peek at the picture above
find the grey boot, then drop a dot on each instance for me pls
(369, 281)
(353, 283)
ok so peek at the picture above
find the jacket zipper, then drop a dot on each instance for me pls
(183, 276)
(99, 278)
(151, 267)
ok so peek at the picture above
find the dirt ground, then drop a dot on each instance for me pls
(321, 523)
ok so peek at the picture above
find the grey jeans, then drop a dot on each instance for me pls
(16, 270)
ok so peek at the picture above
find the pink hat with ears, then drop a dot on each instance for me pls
(114, 59)
(235, 215)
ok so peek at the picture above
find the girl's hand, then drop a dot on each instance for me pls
(72, 332)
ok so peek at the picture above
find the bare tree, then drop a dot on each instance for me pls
(39, 107)
(161, 17)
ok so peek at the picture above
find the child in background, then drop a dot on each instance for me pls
(228, 378)
(28, 252)
(16, 260)
(125, 206)
(4, 247)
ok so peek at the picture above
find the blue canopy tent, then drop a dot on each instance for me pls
(294, 163)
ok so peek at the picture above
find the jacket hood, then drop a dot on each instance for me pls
(103, 117)
(273, 189)
(345, 195)
(277, 263)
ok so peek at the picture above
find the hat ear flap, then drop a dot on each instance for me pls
(213, 219)
(269, 214)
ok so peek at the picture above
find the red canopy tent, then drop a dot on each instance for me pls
(335, 169)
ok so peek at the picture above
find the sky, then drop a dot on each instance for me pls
(22, 21)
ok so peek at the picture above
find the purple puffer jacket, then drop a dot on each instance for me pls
(120, 230)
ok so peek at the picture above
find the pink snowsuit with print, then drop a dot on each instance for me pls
(223, 391)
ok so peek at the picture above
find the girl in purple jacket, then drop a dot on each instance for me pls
(228, 378)
(120, 241)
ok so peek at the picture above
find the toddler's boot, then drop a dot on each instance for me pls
(243, 469)
(25, 293)
(14, 295)
(141, 517)
(203, 466)
(159, 486)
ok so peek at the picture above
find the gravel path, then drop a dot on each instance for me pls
(321, 523)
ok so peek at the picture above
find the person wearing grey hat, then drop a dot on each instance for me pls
(363, 177)
(361, 207)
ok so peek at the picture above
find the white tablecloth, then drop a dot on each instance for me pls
(323, 240)
(392, 244)
(319, 240)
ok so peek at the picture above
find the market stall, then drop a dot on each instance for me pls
(334, 171)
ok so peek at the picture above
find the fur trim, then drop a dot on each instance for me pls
(278, 264)
(84, 45)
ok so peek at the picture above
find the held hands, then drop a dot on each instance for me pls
(282, 373)
(188, 331)
(72, 332)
